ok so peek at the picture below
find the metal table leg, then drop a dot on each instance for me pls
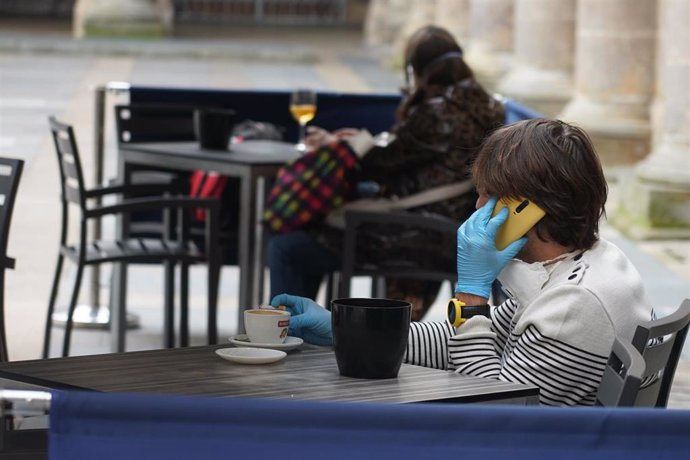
(247, 247)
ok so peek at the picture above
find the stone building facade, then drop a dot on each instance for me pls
(129, 18)
(618, 68)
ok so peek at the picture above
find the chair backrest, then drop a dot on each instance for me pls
(438, 226)
(660, 342)
(71, 172)
(10, 173)
(622, 376)
(154, 123)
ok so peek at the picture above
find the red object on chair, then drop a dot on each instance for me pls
(205, 184)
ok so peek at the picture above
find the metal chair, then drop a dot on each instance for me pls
(354, 220)
(154, 123)
(173, 247)
(622, 377)
(10, 173)
(641, 373)
(142, 123)
(661, 342)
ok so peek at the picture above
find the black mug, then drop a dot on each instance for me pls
(213, 127)
(370, 336)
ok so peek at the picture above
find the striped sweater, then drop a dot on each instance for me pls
(555, 331)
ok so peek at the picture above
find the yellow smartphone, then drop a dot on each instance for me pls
(524, 214)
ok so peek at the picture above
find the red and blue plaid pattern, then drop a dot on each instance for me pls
(309, 187)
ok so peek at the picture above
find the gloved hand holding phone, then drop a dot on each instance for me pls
(478, 260)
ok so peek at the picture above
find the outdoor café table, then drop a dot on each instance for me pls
(308, 373)
(252, 162)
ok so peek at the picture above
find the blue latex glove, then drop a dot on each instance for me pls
(478, 260)
(308, 319)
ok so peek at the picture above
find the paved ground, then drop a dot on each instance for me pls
(43, 72)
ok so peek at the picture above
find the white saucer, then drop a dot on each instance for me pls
(251, 355)
(241, 340)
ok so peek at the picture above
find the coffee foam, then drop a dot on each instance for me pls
(266, 312)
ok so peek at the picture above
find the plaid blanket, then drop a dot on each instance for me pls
(311, 186)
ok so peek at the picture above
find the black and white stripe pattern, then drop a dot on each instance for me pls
(502, 322)
(427, 344)
(430, 343)
(474, 356)
(565, 374)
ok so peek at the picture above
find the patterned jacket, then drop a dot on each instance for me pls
(434, 146)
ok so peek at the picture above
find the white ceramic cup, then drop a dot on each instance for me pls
(264, 325)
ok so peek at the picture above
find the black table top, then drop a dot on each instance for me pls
(308, 373)
(248, 152)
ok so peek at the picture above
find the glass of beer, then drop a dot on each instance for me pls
(303, 109)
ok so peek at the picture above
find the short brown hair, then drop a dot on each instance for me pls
(553, 164)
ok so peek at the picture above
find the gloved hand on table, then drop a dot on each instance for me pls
(308, 320)
(478, 260)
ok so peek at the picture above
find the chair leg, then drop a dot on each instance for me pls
(214, 267)
(184, 304)
(51, 306)
(378, 286)
(169, 305)
(72, 306)
(344, 284)
(3, 341)
(332, 288)
(118, 307)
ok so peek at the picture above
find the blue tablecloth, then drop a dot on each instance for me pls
(104, 426)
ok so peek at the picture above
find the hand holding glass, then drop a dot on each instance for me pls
(303, 110)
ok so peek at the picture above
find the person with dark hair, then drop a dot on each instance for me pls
(570, 292)
(440, 125)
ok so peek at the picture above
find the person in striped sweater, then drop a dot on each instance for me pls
(569, 292)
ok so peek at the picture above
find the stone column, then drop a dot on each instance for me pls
(491, 40)
(122, 18)
(420, 13)
(383, 22)
(655, 202)
(614, 77)
(454, 15)
(541, 75)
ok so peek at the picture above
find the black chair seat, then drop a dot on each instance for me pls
(136, 250)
